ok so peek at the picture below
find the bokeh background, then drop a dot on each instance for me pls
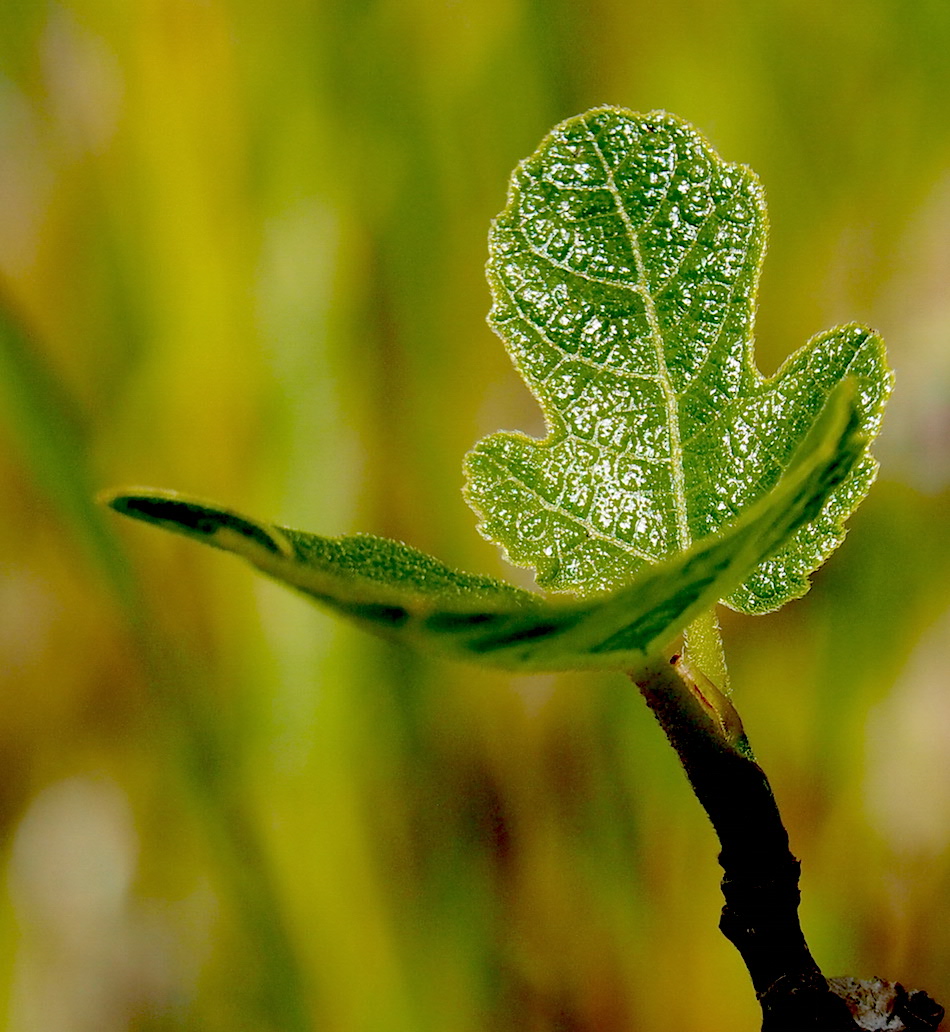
(241, 251)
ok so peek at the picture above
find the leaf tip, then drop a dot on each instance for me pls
(219, 527)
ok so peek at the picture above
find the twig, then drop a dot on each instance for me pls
(760, 879)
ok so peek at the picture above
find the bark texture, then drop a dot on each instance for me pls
(760, 880)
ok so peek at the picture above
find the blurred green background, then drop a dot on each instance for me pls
(241, 251)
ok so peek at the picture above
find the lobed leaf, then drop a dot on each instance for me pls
(623, 270)
(401, 593)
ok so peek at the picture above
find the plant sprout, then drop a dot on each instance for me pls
(674, 476)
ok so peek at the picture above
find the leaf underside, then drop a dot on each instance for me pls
(623, 272)
(400, 593)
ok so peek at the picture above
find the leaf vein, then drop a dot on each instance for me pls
(592, 531)
(569, 356)
(669, 397)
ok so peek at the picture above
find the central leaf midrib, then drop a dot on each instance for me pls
(671, 404)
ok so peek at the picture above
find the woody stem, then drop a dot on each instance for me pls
(760, 874)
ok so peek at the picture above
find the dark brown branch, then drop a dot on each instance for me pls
(760, 880)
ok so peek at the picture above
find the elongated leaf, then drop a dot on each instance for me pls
(394, 590)
(624, 270)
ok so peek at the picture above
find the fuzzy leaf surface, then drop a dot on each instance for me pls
(400, 593)
(624, 270)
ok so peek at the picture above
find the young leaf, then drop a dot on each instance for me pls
(398, 592)
(623, 271)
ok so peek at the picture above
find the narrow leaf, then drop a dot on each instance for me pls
(624, 270)
(400, 593)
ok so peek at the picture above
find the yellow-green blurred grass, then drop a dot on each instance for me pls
(242, 249)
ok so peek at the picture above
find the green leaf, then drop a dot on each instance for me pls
(398, 592)
(624, 270)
